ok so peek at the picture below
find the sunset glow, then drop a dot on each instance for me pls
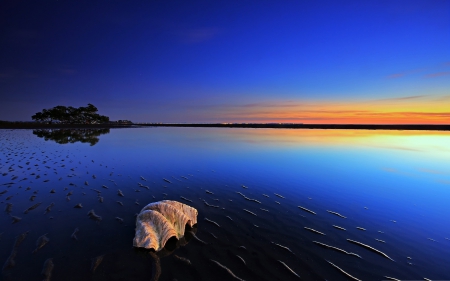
(349, 62)
(406, 110)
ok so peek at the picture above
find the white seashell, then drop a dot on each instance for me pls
(159, 221)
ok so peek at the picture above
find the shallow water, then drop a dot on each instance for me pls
(394, 184)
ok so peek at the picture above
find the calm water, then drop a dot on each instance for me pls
(393, 184)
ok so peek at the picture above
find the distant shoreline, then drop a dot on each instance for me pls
(313, 126)
(25, 125)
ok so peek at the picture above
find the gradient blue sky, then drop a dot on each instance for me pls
(229, 61)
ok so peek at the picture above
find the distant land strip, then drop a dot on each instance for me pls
(34, 125)
(309, 126)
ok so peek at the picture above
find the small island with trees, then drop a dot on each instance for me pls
(70, 115)
(67, 117)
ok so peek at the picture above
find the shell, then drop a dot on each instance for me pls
(159, 221)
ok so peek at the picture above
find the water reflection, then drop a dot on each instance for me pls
(391, 187)
(64, 136)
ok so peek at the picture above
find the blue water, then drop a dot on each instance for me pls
(396, 185)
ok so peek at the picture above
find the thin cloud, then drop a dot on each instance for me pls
(396, 75)
(6, 75)
(14, 73)
(266, 104)
(67, 71)
(267, 107)
(437, 74)
(443, 98)
(198, 35)
(435, 114)
(443, 181)
(418, 70)
(397, 148)
(429, 171)
(390, 170)
(408, 114)
(404, 73)
(401, 98)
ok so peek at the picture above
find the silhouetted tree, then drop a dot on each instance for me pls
(71, 115)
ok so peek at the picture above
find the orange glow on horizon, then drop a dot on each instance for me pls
(404, 110)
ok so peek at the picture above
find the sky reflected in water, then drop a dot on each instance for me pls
(394, 184)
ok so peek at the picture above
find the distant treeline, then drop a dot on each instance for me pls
(444, 127)
(70, 115)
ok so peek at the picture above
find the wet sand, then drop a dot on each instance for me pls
(238, 224)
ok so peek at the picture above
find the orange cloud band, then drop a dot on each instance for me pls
(402, 110)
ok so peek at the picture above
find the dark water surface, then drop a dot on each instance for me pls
(393, 184)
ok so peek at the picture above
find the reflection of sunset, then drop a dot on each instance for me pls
(414, 141)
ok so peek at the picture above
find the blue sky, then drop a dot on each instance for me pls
(216, 61)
